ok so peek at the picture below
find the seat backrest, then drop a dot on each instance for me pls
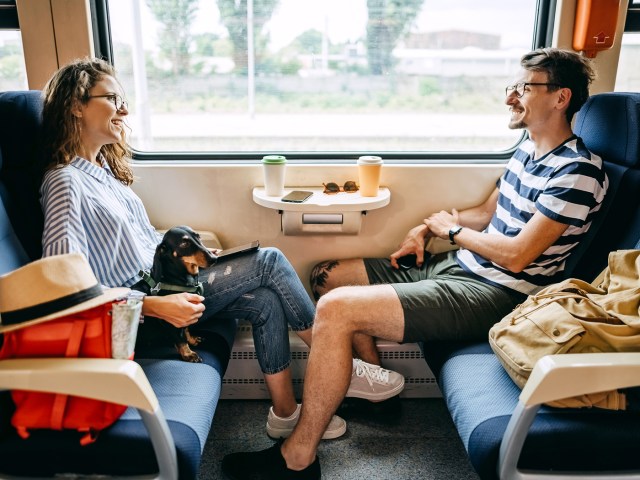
(21, 167)
(609, 125)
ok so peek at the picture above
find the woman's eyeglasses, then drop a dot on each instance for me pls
(119, 102)
(332, 187)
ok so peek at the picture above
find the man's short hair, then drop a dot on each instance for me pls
(565, 68)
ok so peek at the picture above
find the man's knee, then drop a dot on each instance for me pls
(336, 312)
(330, 310)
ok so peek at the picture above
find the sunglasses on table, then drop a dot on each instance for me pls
(332, 187)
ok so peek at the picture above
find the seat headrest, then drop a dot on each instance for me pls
(22, 166)
(609, 125)
(21, 113)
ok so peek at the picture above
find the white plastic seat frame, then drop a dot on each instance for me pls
(117, 381)
(557, 377)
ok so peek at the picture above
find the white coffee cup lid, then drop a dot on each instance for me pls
(370, 160)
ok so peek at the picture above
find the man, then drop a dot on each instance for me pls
(512, 245)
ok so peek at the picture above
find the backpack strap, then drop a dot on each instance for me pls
(73, 347)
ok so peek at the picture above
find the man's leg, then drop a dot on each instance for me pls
(340, 315)
(332, 274)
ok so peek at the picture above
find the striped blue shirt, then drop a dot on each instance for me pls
(87, 210)
(567, 185)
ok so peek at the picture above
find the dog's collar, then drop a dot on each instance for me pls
(157, 286)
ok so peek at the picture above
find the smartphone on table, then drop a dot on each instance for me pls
(297, 196)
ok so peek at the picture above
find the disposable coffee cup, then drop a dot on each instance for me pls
(273, 167)
(369, 168)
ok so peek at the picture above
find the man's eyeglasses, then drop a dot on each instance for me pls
(119, 102)
(518, 88)
(349, 187)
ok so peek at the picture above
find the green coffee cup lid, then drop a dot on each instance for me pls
(274, 159)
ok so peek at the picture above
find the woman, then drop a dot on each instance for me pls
(90, 208)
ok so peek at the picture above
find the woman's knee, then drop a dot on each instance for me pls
(264, 305)
(272, 255)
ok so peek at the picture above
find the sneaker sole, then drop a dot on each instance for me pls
(277, 433)
(376, 396)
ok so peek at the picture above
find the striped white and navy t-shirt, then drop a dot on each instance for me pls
(87, 210)
(567, 185)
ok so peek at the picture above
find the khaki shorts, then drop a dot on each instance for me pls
(442, 301)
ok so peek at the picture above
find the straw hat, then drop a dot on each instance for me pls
(50, 288)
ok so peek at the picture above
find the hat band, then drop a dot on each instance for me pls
(53, 306)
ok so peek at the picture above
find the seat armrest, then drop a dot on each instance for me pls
(111, 380)
(117, 381)
(556, 377)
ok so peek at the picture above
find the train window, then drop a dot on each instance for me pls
(628, 74)
(319, 76)
(13, 71)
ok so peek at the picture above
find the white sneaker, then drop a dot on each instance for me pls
(282, 427)
(372, 382)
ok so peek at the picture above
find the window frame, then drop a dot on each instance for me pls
(9, 15)
(632, 23)
(542, 37)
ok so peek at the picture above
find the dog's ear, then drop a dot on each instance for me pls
(156, 270)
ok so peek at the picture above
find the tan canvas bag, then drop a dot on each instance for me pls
(574, 316)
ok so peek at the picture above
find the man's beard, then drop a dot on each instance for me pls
(517, 125)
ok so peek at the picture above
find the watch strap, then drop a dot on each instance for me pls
(453, 232)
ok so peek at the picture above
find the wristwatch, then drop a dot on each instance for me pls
(453, 232)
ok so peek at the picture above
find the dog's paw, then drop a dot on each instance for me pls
(193, 358)
(191, 339)
(187, 354)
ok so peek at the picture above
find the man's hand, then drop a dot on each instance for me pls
(414, 243)
(178, 309)
(440, 223)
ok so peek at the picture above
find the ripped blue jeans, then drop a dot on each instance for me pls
(263, 288)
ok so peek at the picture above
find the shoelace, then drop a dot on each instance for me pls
(373, 373)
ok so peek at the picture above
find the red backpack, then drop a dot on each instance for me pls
(83, 334)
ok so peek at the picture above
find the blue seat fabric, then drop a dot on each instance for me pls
(481, 397)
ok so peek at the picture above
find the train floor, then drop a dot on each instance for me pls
(407, 439)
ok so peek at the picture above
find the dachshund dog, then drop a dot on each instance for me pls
(176, 264)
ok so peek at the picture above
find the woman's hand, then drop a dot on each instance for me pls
(178, 309)
(414, 243)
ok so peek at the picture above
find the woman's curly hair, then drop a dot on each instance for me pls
(64, 91)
